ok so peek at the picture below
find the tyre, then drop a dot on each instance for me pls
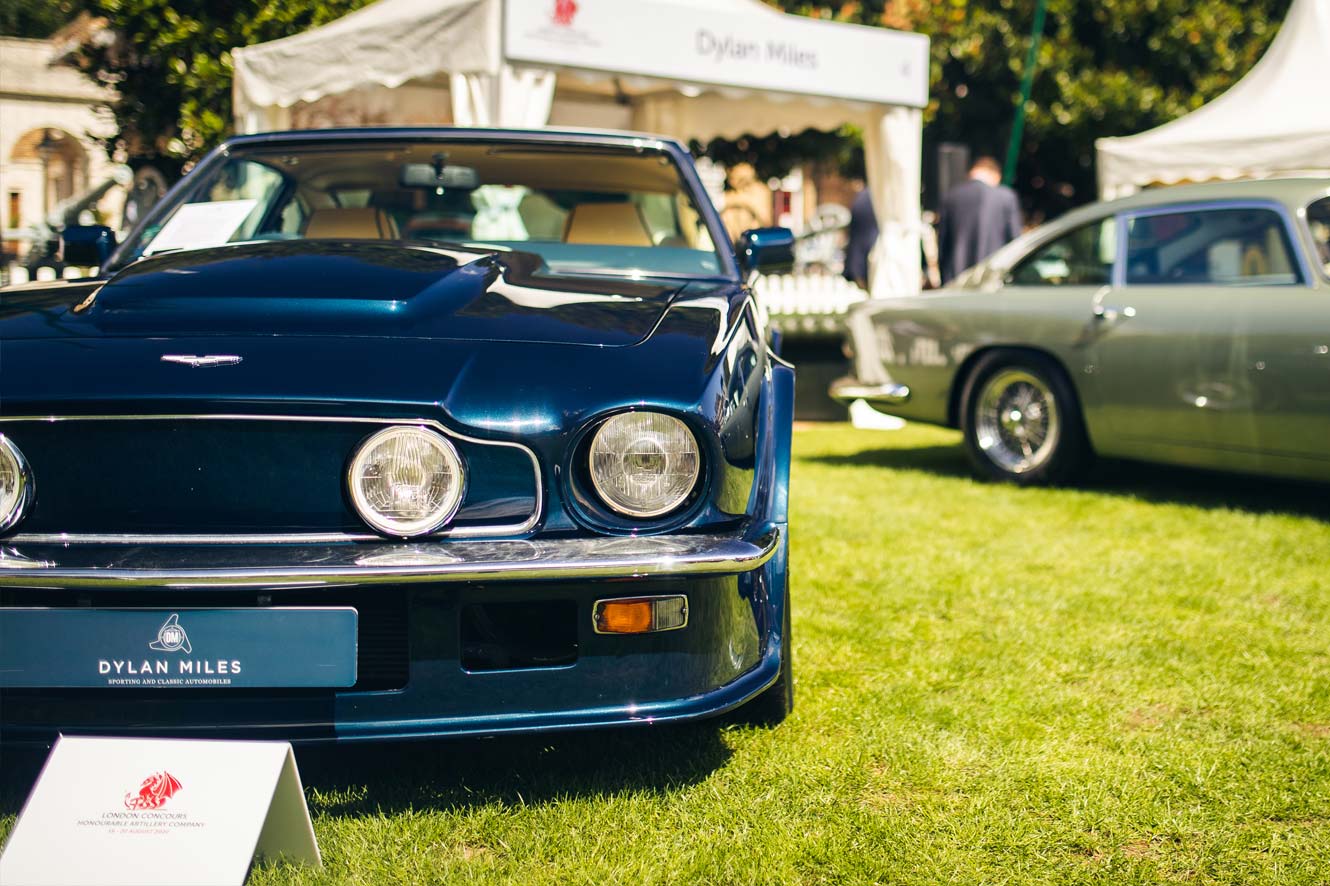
(775, 702)
(1022, 422)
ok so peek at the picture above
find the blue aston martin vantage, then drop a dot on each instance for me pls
(380, 434)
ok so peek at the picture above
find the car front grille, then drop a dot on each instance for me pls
(244, 478)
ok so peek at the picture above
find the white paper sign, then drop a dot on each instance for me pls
(696, 43)
(125, 812)
(197, 225)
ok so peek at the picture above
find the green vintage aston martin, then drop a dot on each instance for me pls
(1188, 325)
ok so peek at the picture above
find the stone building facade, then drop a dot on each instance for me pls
(48, 121)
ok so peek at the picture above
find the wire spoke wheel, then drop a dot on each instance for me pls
(1021, 421)
(1016, 420)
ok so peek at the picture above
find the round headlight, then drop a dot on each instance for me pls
(15, 484)
(406, 481)
(644, 464)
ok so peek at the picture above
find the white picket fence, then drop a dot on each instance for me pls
(809, 303)
(16, 274)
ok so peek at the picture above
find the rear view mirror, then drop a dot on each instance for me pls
(449, 178)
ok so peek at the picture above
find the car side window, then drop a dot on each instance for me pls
(1224, 247)
(1082, 257)
(1318, 220)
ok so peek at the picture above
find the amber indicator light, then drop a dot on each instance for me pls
(641, 615)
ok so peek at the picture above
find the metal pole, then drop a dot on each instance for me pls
(1027, 80)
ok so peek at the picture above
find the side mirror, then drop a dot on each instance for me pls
(87, 246)
(766, 250)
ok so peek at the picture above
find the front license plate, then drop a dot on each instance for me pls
(288, 647)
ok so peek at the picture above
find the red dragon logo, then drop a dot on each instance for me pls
(564, 12)
(154, 792)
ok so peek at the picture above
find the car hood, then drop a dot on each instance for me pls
(479, 335)
(354, 289)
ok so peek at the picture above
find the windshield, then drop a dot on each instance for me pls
(1318, 219)
(583, 209)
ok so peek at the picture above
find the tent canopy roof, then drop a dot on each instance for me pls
(1275, 120)
(387, 43)
(734, 47)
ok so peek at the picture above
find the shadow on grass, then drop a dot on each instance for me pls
(1166, 484)
(519, 770)
(946, 461)
(1159, 484)
(388, 777)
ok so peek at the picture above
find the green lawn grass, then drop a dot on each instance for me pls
(1125, 683)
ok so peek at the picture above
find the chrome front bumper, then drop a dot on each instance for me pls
(298, 566)
(890, 394)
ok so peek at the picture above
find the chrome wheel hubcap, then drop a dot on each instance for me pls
(1016, 421)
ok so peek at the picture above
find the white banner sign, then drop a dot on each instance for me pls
(742, 44)
(125, 812)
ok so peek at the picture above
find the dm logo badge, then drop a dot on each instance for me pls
(171, 637)
(564, 12)
(154, 792)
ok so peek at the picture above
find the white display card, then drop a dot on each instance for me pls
(126, 811)
(196, 225)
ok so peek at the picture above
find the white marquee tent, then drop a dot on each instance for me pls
(681, 68)
(1274, 121)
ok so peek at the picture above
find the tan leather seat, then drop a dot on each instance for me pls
(606, 224)
(351, 223)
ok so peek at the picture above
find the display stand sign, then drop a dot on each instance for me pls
(750, 46)
(125, 812)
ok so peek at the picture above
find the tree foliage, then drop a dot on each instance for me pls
(34, 18)
(171, 64)
(774, 154)
(1110, 67)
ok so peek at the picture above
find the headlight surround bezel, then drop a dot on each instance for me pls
(26, 489)
(618, 513)
(398, 529)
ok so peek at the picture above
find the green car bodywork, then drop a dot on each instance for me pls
(1187, 325)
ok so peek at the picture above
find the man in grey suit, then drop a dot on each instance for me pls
(978, 217)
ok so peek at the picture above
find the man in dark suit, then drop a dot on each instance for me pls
(862, 235)
(978, 217)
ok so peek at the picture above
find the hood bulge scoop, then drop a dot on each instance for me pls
(359, 288)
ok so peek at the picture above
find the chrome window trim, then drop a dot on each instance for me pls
(509, 529)
(1292, 239)
(1119, 278)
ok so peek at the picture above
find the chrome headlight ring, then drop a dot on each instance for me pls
(406, 481)
(17, 488)
(644, 464)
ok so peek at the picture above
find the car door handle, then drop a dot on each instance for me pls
(1110, 314)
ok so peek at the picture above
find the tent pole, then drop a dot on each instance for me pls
(1027, 81)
